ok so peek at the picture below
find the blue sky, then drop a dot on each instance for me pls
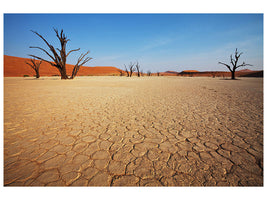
(159, 42)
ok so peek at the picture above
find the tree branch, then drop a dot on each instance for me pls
(81, 61)
(51, 63)
(72, 51)
(41, 37)
(30, 65)
(45, 52)
(226, 65)
(243, 64)
(57, 58)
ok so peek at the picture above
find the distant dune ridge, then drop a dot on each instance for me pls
(16, 67)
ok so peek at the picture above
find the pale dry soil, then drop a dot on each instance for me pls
(119, 131)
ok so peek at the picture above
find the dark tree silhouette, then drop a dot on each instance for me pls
(137, 67)
(121, 72)
(81, 61)
(158, 73)
(126, 70)
(35, 65)
(149, 73)
(131, 69)
(234, 63)
(59, 59)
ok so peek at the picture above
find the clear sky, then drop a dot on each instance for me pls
(159, 42)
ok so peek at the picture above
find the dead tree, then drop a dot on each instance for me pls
(121, 72)
(137, 67)
(234, 63)
(149, 73)
(59, 59)
(131, 69)
(81, 61)
(35, 66)
(158, 73)
(126, 70)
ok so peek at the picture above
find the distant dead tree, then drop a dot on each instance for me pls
(158, 73)
(126, 70)
(234, 63)
(35, 65)
(131, 69)
(59, 59)
(149, 73)
(121, 72)
(137, 67)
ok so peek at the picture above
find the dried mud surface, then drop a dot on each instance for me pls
(119, 131)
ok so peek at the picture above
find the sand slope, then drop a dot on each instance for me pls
(16, 67)
(119, 131)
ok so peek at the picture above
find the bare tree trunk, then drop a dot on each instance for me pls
(63, 73)
(126, 70)
(37, 74)
(137, 67)
(233, 74)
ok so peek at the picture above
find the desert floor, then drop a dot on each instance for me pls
(119, 131)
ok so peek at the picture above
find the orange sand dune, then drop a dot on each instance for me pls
(16, 67)
(190, 71)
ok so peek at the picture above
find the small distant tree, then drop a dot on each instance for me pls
(35, 66)
(234, 62)
(149, 73)
(137, 67)
(59, 56)
(121, 72)
(158, 73)
(126, 70)
(131, 69)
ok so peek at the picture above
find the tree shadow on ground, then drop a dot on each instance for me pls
(229, 79)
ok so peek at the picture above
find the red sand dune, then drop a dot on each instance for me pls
(245, 70)
(190, 71)
(16, 67)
